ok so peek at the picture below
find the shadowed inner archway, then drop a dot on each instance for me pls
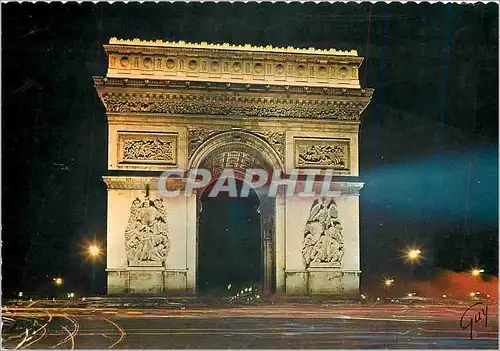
(235, 235)
(229, 242)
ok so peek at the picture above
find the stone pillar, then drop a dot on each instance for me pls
(191, 242)
(267, 228)
(279, 243)
(268, 252)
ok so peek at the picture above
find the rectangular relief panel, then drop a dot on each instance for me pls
(323, 153)
(147, 148)
(326, 150)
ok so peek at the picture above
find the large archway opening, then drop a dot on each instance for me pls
(235, 235)
(230, 247)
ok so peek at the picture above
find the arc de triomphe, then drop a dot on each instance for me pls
(187, 106)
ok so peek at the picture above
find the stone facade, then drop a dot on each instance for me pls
(182, 106)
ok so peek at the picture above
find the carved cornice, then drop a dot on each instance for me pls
(151, 183)
(343, 187)
(140, 183)
(347, 106)
(155, 84)
(232, 63)
(130, 183)
(347, 188)
(226, 46)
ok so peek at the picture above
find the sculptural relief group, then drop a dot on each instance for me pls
(147, 236)
(323, 241)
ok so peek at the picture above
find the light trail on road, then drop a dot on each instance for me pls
(120, 330)
(256, 326)
(71, 334)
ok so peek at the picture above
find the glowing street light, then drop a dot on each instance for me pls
(94, 251)
(476, 272)
(413, 254)
(387, 284)
(58, 281)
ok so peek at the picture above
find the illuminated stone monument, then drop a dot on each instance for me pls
(187, 106)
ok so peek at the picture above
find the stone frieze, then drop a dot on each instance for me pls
(322, 153)
(266, 108)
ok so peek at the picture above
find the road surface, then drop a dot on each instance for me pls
(45, 325)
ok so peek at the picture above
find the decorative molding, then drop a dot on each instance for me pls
(323, 243)
(250, 146)
(147, 240)
(151, 183)
(141, 183)
(351, 272)
(276, 140)
(237, 160)
(197, 135)
(232, 63)
(322, 152)
(146, 269)
(226, 46)
(147, 148)
(289, 90)
(195, 104)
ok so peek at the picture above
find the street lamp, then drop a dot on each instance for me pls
(474, 294)
(94, 251)
(387, 284)
(58, 281)
(476, 272)
(413, 255)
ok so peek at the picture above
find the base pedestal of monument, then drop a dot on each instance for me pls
(322, 281)
(147, 280)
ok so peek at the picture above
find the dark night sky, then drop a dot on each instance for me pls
(429, 139)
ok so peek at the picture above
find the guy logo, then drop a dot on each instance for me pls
(473, 315)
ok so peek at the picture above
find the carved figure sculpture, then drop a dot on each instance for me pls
(147, 236)
(329, 155)
(323, 241)
(148, 150)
